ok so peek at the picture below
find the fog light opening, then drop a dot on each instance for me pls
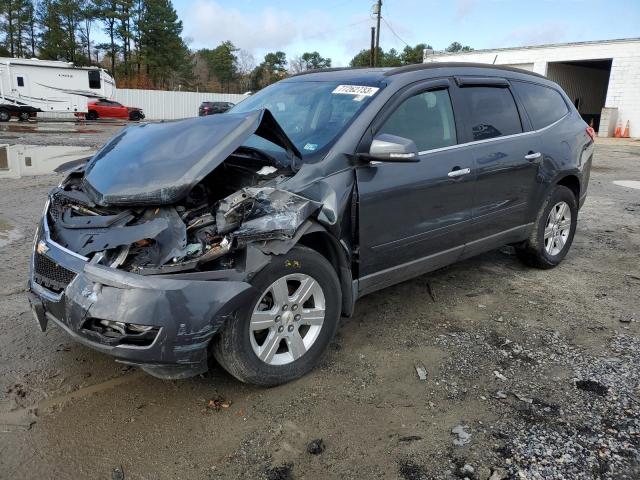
(115, 332)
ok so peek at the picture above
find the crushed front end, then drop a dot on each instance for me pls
(150, 280)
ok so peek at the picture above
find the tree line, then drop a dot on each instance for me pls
(144, 47)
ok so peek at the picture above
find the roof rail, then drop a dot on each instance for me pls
(323, 70)
(427, 66)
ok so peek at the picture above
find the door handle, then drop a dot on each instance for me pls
(532, 156)
(459, 172)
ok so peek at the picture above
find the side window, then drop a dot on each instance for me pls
(20, 81)
(94, 79)
(425, 118)
(492, 112)
(543, 104)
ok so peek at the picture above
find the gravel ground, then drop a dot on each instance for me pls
(529, 374)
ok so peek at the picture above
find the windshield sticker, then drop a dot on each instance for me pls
(359, 90)
(311, 146)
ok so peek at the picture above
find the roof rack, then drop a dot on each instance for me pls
(427, 66)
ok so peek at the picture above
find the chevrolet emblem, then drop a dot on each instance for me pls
(42, 247)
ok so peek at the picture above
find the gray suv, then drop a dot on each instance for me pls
(246, 236)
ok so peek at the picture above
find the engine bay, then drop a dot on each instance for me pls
(237, 203)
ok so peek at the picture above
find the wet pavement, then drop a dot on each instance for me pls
(539, 368)
(60, 132)
(24, 160)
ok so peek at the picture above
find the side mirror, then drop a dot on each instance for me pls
(391, 148)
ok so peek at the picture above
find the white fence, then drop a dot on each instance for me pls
(162, 104)
(165, 105)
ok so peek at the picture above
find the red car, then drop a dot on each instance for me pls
(111, 109)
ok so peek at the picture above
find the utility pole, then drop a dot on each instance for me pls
(378, 12)
(373, 45)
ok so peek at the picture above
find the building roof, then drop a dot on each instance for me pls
(547, 45)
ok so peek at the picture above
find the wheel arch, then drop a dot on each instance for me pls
(572, 182)
(321, 241)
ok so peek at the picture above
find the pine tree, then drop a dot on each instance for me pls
(167, 59)
(52, 36)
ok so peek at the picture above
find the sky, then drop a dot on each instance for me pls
(339, 29)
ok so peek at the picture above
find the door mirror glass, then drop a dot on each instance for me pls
(391, 148)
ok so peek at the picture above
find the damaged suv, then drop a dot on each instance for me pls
(247, 235)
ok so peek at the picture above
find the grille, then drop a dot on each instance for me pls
(50, 275)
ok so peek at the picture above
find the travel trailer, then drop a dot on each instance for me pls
(28, 86)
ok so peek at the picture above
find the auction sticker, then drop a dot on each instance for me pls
(360, 90)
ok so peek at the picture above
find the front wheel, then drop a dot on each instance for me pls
(287, 328)
(5, 115)
(135, 116)
(91, 115)
(553, 231)
(24, 116)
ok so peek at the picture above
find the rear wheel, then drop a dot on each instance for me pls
(92, 115)
(24, 116)
(553, 232)
(287, 328)
(5, 115)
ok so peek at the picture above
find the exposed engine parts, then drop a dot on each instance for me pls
(202, 232)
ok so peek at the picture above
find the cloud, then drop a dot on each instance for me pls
(209, 22)
(536, 35)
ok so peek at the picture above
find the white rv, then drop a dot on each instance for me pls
(31, 85)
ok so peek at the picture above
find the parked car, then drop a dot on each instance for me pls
(112, 109)
(248, 235)
(209, 108)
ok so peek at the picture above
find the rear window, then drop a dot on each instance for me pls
(492, 112)
(544, 105)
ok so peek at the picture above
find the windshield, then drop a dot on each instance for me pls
(312, 114)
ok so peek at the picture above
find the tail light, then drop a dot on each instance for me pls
(592, 133)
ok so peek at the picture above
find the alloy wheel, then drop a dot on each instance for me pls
(287, 319)
(557, 228)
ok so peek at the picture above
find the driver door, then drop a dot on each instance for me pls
(414, 217)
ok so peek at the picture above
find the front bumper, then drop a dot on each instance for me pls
(185, 313)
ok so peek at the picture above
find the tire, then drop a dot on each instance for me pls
(91, 115)
(237, 347)
(5, 115)
(24, 116)
(134, 116)
(537, 251)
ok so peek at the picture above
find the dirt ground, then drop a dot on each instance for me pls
(530, 374)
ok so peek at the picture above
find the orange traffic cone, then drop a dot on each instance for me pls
(625, 134)
(618, 132)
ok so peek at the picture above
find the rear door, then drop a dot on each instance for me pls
(413, 216)
(506, 159)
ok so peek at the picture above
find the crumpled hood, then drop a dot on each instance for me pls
(159, 163)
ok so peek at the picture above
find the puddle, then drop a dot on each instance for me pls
(59, 126)
(628, 183)
(8, 233)
(23, 160)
